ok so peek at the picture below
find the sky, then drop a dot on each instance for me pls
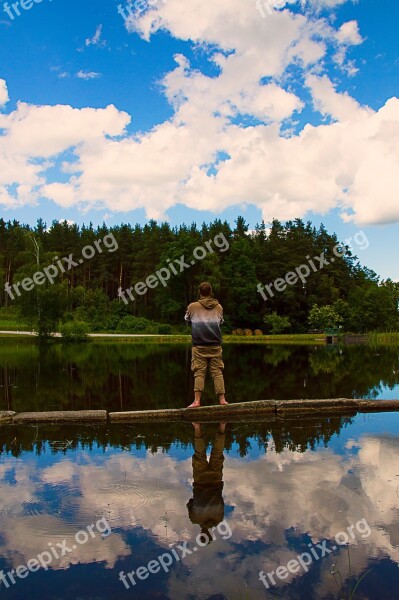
(191, 110)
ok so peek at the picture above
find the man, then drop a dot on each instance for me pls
(205, 318)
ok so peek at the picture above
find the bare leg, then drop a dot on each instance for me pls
(197, 400)
(222, 399)
(197, 430)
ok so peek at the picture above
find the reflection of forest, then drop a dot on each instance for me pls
(131, 376)
(279, 435)
(288, 434)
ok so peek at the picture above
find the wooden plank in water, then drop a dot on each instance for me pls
(62, 416)
(320, 406)
(377, 405)
(240, 409)
(6, 416)
(214, 412)
(147, 416)
(239, 412)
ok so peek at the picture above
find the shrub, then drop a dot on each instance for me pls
(277, 323)
(131, 324)
(75, 331)
(164, 329)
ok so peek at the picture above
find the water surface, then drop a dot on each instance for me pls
(285, 485)
(135, 376)
(273, 491)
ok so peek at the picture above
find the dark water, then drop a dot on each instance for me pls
(130, 377)
(273, 491)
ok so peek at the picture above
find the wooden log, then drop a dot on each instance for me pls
(265, 410)
(147, 416)
(6, 416)
(317, 406)
(377, 405)
(238, 410)
(62, 416)
(208, 413)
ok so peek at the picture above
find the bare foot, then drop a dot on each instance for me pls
(194, 405)
(223, 401)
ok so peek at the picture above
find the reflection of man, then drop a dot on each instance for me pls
(206, 507)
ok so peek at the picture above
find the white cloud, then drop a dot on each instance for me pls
(349, 161)
(319, 4)
(3, 93)
(328, 101)
(87, 75)
(349, 34)
(96, 39)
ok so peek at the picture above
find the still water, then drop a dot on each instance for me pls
(82, 507)
(132, 377)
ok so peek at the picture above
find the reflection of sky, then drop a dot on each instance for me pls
(276, 504)
(387, 393)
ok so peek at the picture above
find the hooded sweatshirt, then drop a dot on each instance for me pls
(205, 318)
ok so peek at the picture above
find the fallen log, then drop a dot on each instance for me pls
(62, 416)
(147, 416)
(239, 410)
(265, 410)
(320, 407)
(377, 405)
(6, 416)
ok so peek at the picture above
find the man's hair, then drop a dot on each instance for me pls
(205, 289)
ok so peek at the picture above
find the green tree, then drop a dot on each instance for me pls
(277, 323)
(324, 317)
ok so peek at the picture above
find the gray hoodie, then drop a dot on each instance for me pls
(205, 318)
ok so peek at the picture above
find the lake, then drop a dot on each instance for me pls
(129, 376)
(300, 508)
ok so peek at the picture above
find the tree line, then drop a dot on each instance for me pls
(343, 293)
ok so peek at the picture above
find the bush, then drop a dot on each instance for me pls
(276, 323)
(131, 324)
(164, 329)
(74, 331)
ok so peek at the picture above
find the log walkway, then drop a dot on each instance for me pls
(240, 412)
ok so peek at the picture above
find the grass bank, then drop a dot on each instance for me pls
(384, 339)
(13, 325)
(374, 339)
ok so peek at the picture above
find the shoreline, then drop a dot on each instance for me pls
(298, 339)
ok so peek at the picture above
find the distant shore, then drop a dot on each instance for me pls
(305, 339)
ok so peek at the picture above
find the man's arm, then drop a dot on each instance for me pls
(187, 316)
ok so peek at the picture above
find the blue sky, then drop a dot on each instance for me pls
(213, 111)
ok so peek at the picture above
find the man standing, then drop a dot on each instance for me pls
(205, 318)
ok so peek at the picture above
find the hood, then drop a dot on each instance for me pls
(208, 302)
